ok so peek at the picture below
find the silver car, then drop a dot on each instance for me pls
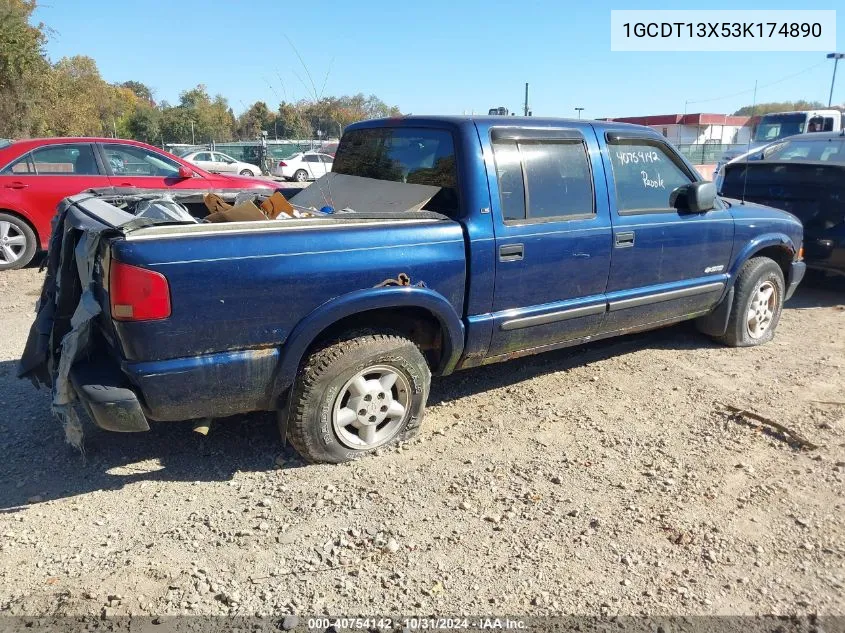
(220, 163)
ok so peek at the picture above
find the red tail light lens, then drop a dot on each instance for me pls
(137, 294)
(282, 163)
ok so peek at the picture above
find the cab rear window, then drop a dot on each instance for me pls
(414, 155)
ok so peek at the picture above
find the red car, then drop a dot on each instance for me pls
(36, 174)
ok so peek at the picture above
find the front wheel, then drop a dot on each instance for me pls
(18, 243)
(359, 394)
(246, 172)
(758, 302)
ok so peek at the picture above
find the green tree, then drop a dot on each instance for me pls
(81, 103)
(291, 122)
(778, 106)
(212, 119)
(142, 91)
(23, 70)
(330, 114)
(257, 118)
(175, 124)
(144, 124)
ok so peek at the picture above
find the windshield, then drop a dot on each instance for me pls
(413, 155)
(829, 150)
(775, 126)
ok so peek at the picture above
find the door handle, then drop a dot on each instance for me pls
(126, 184)
(17, 185)
(624, 239)
(511, 253)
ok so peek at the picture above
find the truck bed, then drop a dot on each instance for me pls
(237, 291)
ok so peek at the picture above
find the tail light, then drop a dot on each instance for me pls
(282, 163)
(137, 294)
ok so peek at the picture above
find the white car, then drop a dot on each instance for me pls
(303, 166)
(220, 163)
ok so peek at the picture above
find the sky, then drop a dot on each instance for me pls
(428, 56)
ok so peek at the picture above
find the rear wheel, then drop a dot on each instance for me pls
(758, 301)
(18, 243)
(357, 395)
(246, 172)
(300, 175)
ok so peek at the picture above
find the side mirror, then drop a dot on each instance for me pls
(185, 172)
(696, 197)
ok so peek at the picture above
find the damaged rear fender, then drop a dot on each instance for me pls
(384, 297)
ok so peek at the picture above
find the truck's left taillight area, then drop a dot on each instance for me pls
(137, 294)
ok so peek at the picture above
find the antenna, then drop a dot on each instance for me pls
(748, 150)
(525, 108)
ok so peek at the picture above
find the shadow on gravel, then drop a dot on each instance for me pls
(817, 291)
(683, 336)
(37, 464)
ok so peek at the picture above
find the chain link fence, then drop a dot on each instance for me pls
(709, 153)
(251, 151)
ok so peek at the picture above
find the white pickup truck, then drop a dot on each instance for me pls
(777, 125)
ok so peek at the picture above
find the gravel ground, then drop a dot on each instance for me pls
(597, 480)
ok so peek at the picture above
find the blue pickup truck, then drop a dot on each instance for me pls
(541, 234)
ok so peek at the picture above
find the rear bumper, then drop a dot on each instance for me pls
(111, 404)
(124, 398)
(796, 274)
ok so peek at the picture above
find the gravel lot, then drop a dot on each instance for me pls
(597, 480)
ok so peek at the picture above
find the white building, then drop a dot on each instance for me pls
(697, 129)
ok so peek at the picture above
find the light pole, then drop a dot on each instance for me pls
(579, 111)
(835, 57)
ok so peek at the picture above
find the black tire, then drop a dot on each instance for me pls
(14, 230)
(320, 387)
(300, 175)
(246, 172)
(754, 274)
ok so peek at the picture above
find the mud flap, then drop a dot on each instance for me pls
(716, 323)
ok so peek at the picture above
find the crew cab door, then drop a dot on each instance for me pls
(667, 263)
(552, 227)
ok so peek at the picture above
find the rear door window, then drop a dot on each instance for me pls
(75, 159)
(22, 166)
(543, 180)
(203, 156)
(645, 173)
